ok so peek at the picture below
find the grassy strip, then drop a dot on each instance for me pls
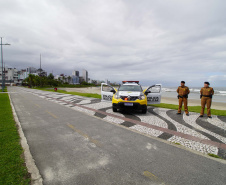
(190, 108)
(5, 89)
(12, 165)
(213, 155)
(73, 93)
(162, 105)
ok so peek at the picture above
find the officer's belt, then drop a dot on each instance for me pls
(207, 96)
(184, 96)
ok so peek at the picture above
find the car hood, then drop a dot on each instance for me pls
(129, 93)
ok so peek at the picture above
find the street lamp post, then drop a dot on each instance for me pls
(3, 80)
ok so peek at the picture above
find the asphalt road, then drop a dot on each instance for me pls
(70, 147)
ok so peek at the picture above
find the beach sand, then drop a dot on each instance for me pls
(193, 102)
(93, 90)
(168, 100)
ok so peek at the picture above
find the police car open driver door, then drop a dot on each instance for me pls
(154, 93)
(107, 92)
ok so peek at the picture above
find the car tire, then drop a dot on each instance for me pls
(144, 111)
(114, 109)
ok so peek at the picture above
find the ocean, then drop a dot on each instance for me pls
(219, 93)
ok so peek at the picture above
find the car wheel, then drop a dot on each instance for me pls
(114, 109)
(144, 111)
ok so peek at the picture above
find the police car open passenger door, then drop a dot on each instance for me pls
(154, 94)
(107, 92)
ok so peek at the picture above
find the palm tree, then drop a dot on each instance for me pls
(63, 79)
(69, 79)
(31, 78)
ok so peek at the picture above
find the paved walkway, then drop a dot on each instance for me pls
(201, 134)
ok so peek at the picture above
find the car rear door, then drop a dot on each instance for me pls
(106, 94)
(154, 97)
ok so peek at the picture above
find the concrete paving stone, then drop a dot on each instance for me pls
(152, 119)
(113, 119)
(192, 121)
(217, 122)
(204, 148)
(146, 130)
(180, 128)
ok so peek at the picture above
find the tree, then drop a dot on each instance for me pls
(69, 79)
(55, 83)
(50, 76)
(84, 83)
(37, 80)
(63, 77)
(60, 80)
(30, 80)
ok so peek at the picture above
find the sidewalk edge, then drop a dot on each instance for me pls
(36, 178)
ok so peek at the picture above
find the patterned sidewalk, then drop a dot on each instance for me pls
(201, 134)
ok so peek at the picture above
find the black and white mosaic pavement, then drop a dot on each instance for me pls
(204, 128)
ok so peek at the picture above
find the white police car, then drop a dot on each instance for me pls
(130, 95)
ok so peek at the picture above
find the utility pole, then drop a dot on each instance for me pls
(40, 69)
(40, 61)
(3, 75)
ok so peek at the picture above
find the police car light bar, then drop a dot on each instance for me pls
(130, 82)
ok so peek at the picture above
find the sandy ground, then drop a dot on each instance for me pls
(191, 102)
(94, 90)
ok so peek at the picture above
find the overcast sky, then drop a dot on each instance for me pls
(148, 40)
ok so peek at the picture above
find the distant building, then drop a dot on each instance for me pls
(75, 73)
(75, 77)
(98, 82)
(89, 80)
(41, 72)
(31, 70)
(107, 82)
(22, 74)
(81, 79)
(14, 76)
(85, 75)
(11, 75)
(57, 77)
(69, 79)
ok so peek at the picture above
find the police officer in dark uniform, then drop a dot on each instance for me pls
(183, 92)
(206, 94)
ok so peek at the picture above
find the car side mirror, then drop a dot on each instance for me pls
(113, 91)
(147, 91)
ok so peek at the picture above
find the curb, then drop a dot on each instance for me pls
(36, 178)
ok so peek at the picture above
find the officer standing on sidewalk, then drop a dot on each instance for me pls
(183, 92)
(206, 99)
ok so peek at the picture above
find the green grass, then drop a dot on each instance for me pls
(176, 143)
(190, 108)
(213, 155)
(5, 89)
(73, 93)
(12, 165)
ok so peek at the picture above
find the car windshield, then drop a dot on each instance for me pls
(130, 88)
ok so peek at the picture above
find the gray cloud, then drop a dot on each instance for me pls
(151, 41)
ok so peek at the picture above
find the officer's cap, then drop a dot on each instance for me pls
(183, 82)
(207, 83)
